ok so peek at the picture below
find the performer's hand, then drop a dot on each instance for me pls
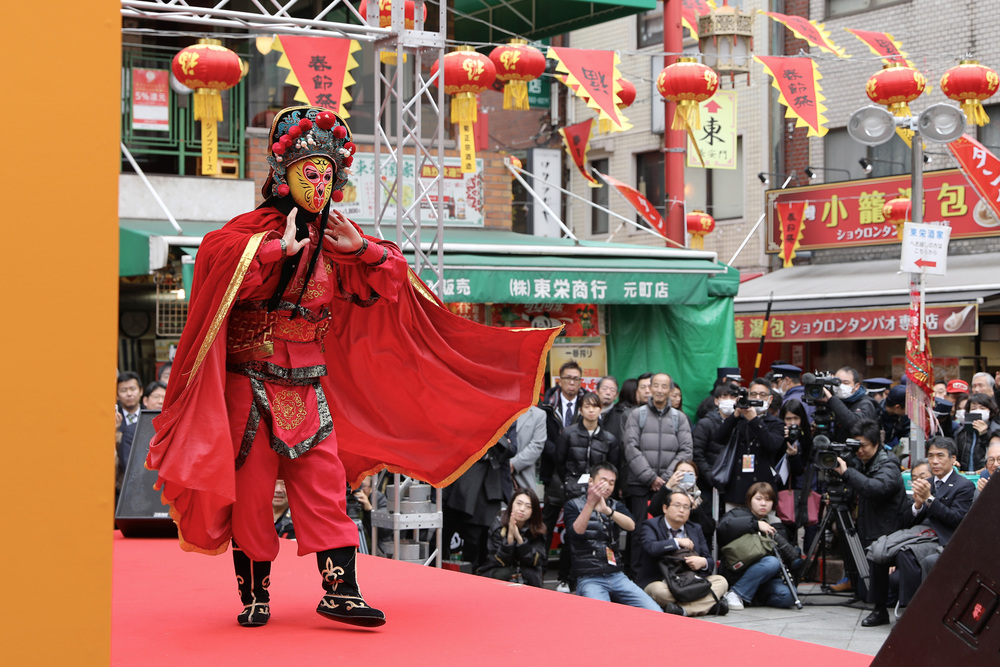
(292, 244)
(340, 235)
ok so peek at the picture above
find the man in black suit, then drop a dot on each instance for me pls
(940, 504)
(562, 408)
(663, 535)
(129, 396)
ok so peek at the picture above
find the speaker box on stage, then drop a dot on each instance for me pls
(954, 618)
(139, 512)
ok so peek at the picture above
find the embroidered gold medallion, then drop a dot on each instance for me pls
(288, 409)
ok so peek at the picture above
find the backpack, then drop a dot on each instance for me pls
(644, 414)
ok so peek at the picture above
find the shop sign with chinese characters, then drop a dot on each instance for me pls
(577, 319)
(867, 323)
(925, 248)
(590, 353)
(841, 215)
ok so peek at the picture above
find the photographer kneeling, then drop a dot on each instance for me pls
(872, 473)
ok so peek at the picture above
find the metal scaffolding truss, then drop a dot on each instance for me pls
(409, 168)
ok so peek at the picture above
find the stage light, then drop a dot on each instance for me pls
(941, 123)
(871, 125)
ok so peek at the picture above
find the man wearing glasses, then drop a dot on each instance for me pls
(562, 408)
(667, 533)
(759, 440)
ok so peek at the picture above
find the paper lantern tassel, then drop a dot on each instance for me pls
(464, 108)
(515, 95)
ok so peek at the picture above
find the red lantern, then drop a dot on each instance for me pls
(208, 68)
(699, 224)
(517, 64)
(688, 83)
(895, 86)
(466, 74)
(626, 96)
(385, 20)
(896, 212)
(970, 83)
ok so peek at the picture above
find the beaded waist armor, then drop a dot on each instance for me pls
(253, 329)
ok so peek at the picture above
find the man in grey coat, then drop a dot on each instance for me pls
(657, 437)
(531, 436)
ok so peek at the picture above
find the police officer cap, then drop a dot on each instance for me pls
(897, 395)
(943, 407)
(875, 385)
(730, 372)
(785, 370)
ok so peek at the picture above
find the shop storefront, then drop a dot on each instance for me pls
(853, 309)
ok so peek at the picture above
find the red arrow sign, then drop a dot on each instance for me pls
(923, 262)
(712, 107)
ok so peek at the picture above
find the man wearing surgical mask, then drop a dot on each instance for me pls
(706, 450)
(759, 439)
(850, 403)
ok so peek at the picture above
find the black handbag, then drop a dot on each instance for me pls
(685, 584)
(723, 466)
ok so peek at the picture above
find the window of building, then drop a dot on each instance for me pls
(718, 192)
(599, 219)
(842, 7)
(649, 169)
(841, 153)
(650, 27)
(989, 134)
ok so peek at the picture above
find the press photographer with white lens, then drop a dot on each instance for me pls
(979, 426)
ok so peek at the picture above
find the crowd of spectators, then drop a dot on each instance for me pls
(657, 510)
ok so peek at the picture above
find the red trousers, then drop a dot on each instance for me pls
(315, 483)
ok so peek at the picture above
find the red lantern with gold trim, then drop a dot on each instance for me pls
(896, 212)
(969, 83)
(688, 83)
(385, 20)
(466, 73)
(699, 224)
(208, 68)
(516, 64)
(895, 86)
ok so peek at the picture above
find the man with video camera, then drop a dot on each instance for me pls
(844, 396)
(872, 474)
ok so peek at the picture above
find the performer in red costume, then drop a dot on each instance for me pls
(310, 353)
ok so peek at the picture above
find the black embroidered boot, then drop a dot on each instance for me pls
(252, 579)
(343, 601)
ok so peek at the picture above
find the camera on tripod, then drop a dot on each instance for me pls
(826, 452)
(814, 384)
(744, 402)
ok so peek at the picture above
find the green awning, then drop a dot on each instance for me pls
(496, 266)
(479, 20)
(133, 240)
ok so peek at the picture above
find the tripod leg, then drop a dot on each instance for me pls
(820, 533)
(787, 576)
(846, 526)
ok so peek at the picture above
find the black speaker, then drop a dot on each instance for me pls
(954, 619)
(139, 512)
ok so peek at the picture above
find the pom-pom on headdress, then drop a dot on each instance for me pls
(300, 132)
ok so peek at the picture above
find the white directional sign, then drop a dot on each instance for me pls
(925, 248)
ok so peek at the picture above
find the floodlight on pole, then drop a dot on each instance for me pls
(938, 123)
(811, 171)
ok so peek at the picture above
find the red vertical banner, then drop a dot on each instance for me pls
(577, 141)
(792, 221)
(797, 81)
(321, 68)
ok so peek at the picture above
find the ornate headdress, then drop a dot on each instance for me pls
(300, 132)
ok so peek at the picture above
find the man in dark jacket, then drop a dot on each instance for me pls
(593, 525)
(706, 450)
(668, 532)
(759, 440)
(849, 405)
(940, 504)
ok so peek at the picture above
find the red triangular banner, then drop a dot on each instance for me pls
(882, 44)
(320, 67)
(981, 168)
(642, 205)
(797, 81)
(577, 140)
(792, 218)
(690, 11)
(809, 31)
(593, 75)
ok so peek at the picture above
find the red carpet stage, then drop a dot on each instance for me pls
(176, 608)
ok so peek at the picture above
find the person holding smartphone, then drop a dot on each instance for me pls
(992, 463)
(978, 427)
(685, 478)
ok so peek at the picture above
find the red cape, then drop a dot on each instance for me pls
(412, 387)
